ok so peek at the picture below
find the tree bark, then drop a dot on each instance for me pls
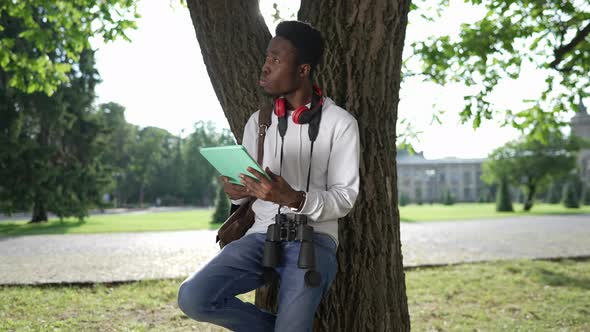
(141, 195)
(528, 202)
(361, 72)
(39, 212)
(39, 208)
(233, 38)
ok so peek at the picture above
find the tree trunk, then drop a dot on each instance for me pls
(361, 72)
(141, 195)
(39, 209)
(233, 38)
(528, 202)
(39, 212)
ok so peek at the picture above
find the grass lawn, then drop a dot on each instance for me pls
(111, 223)
(199, 219)
(459, 211)
(499, 296)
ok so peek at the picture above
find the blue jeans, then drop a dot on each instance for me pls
(209, 295)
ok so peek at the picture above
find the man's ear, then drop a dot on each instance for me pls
(304, 70)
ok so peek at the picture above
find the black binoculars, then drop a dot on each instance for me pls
(296, 229)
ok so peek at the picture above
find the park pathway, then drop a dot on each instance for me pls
(134, 256)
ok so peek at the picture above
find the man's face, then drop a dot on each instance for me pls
(280, 72)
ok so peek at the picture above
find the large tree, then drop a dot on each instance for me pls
(511, 36)
(361, 72)
(61, 28)
(531, 164)
(200, 184)
(119, 144)
(50, 145)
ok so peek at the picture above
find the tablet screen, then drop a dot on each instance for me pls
(231, 161)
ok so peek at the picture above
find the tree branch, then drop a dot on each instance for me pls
(564, 49)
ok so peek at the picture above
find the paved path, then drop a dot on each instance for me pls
(133, 256)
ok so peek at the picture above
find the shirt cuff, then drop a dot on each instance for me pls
(239, 201)
(306, 205)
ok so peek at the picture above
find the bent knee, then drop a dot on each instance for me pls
(192, 303)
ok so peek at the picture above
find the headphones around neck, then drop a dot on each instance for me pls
(302, 114)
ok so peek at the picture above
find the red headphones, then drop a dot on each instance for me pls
(301, 115)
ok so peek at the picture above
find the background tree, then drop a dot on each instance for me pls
(361, 72)
(503, 196)
(512, 35)
(58, 152)
(149, 155)
(167, 184)
(50, 144)
(570, 199)
(118, 146)
(585, 199)
(531, 164)
(200, 175)
(61, 28)
(554, 192)
(48, 134)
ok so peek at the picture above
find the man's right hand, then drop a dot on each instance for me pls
(234, 191)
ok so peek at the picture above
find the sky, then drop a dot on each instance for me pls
(161, 80)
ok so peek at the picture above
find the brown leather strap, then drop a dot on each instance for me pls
(242, 219)
(264, 118)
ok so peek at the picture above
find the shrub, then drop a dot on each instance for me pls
(222, 207)
(403, 199)
(448, 198)
(585, 199)
(570, 196)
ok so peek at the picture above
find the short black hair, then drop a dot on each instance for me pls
(307, 40)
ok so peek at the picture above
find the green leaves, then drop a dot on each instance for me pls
(50, 145)
(532, 163)
(39, 39)
(495, 47)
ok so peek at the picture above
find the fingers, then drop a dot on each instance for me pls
(234, 191)
(234, 188)
(263, 188)
(249, 183)
(258, 175)
(255, 187)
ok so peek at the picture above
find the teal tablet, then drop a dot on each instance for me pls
(231, 161)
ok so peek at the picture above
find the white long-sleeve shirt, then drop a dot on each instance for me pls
(334, 182)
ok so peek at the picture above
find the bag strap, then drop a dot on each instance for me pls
(264, 119)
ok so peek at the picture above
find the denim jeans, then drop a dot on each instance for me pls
(209, 295)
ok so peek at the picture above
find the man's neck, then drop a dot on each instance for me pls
(301, 96)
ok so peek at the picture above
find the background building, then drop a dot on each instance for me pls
(426, 181)
(581, 127)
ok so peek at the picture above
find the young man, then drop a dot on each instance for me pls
(324, 192)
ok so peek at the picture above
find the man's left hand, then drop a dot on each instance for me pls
(275, 190)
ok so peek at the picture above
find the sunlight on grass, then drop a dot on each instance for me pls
(111, 223)
(462, 211)
(199, 219)
(499, 296)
